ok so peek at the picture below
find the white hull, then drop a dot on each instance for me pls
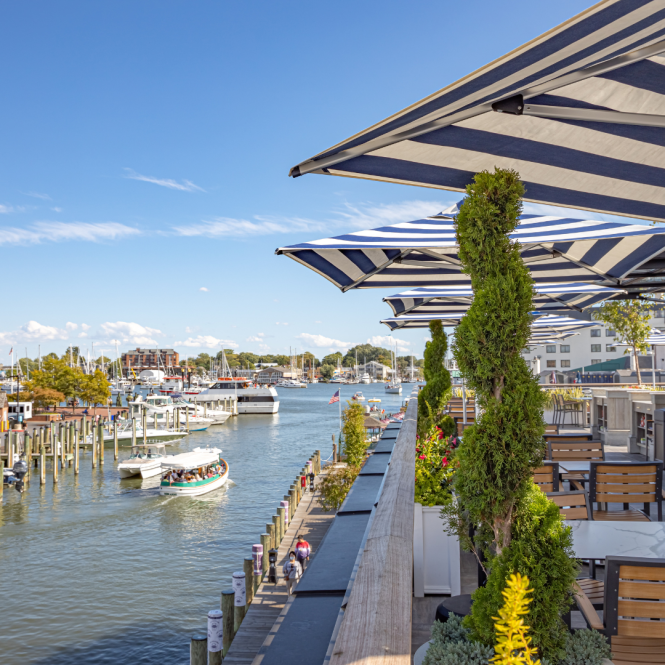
(128, 469)
(394, 391)
(195, 491)
(260, 407)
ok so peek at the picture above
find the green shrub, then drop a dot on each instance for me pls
(353, 429)
(458, 653)
(436, 393)
(335, 485)
(435, 467)
(541, 549)
(586, 647)
(452, 630)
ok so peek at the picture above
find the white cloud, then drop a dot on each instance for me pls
(184, 186)
(256, 338)
(387, 341)
(317, 321)
(5, 210)
(83, 334)
(32, 331)
(203, 288)
(325, 342)
(85, 326)
(259, 225)
(133, 333)
(264, 348)
(277, 323)
(207, 342)
(56, 209)
(71, 326)
(369, 215)
(37, 195)
(60, 231)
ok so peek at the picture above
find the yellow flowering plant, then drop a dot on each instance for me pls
(512, 643)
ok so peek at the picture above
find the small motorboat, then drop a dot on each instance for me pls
(378, 401)
(191, 474)
(358, 397)
(144, 460)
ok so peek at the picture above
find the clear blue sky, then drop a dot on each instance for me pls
(145, 152)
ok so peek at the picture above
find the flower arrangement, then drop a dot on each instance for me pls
(435, 466)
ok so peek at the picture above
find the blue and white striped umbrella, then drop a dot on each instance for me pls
(424, 252)
(451, 300)
(577, 112)
(541, 326)
(656, 338)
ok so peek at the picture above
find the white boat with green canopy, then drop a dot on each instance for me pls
(197, 472)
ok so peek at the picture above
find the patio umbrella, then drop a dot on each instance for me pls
(447, 300)
(577, 112)
(424, 252)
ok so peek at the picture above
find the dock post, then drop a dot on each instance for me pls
(2, 476)
(63, 452)
(205, 409)
(317, 462)
(100, 441)
(54, 450)
(28, 455)
(115, 440)
(42, 464)
(72, 439)
(133, 431)
(275, 522)
(227, 609)
(215, 637)
(76, 451)
(239, 599)
(167, 420)
(334, 459)
(83, 429)
(93, 440)
(198, 650)
(266, 542)
(270, 532)
(145, 425)
(294, 503)
(282, 528)
(248, 567)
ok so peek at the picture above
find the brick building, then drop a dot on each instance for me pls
(140, 359)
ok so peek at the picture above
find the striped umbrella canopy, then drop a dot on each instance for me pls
(656, 338)
(542, 325)
(424, 252)
(451, 300)
(577, 112)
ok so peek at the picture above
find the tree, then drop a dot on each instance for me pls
(335, 485)
(630, 320)
(353, 430)
(498, 452)
(95, 389)
(327, 371)
(436, 393)
(55, 375)
(332, 359)
(45, 397)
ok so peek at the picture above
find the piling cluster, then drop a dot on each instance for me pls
(223, 626)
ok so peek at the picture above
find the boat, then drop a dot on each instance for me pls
(204, 468)
(358, 397)
(145, 460)
(171, 384)
(125, 437)
(393, 387)
(365, 378)
(374, 399)
(251, 398)
(289, 383)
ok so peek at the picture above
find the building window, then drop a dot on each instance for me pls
(595, 332)
(596, 348)
(596, 361)
(565, 348)
(609, 333)
(565, 363)
(550, 348)
(551, 363)
(609, 348)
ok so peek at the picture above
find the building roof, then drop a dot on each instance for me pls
(135, 351)
(373, 423)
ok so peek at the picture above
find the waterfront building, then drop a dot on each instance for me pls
(140, 359)
(376, 370)
(275, 374)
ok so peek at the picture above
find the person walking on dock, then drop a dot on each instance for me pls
(303, 550)
(292, 571)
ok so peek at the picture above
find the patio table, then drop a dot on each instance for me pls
(580, 466)
(597, 540)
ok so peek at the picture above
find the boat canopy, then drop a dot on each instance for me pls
(191, 460)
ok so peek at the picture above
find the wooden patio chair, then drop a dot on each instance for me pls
(626, 483)
(551, 429)
(574, 450)
(547, 477)
(634, 612)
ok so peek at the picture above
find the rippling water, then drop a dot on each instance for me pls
(98, 570)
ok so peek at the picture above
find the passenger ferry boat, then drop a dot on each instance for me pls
(171, 384)
(144, 460)
(251, 398)
(190, 474)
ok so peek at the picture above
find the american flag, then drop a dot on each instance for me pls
(334, 398)
(12, 351)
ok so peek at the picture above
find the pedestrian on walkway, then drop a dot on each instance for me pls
(292, 572)
(303, 550)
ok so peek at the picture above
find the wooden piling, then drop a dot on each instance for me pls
(167, 420)
(76, 451)
(100, 441)
(227, 608)
(93, 441)
(334, 459)
(28, 455)
(115, 440)
(55, 456)
(42, 464)
(275, 522)
(238, 616)
(133, 431)
(270, 532)
(266, 542)
(198, 650)
(145, 425)
(282, 528)
(63, 452)
(293, 502)
(317, 464)
(2, 476)
(248, 568)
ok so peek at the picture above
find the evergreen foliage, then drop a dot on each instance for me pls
(630, 320)
(353, 430)
(451, 646)
(541, 549)
(335, 485)
(437, 391)
(506, 443)
(586, 647)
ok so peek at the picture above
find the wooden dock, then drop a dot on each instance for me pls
(269, 600)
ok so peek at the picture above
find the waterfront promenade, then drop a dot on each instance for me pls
(261, 621)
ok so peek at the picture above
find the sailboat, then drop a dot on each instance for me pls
(393, 387)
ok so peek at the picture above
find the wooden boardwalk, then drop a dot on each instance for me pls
(269, 600)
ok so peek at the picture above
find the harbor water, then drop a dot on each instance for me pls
(98, 570)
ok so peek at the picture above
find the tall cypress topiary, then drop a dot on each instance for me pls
(501, 449)
(436, 393)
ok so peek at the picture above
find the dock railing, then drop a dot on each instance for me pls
(376, 627)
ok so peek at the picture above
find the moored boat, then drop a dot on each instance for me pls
(358, 397)
(144, 460)
(194, 473)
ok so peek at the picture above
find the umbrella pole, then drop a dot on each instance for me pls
(653, 367)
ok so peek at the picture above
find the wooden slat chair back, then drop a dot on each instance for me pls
(626, 483)
(572, 505)
(569, 451)
(547, 477)
(551, 429)
(574, 438)
(634, 611)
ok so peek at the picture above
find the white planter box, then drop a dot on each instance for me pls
(436, 557)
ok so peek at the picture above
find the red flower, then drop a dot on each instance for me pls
(421, 457)
(440, 435)
(444, 461)
(417, 436)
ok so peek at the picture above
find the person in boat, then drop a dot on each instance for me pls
(292, 572)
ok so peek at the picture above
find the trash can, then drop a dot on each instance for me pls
(659, 433)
